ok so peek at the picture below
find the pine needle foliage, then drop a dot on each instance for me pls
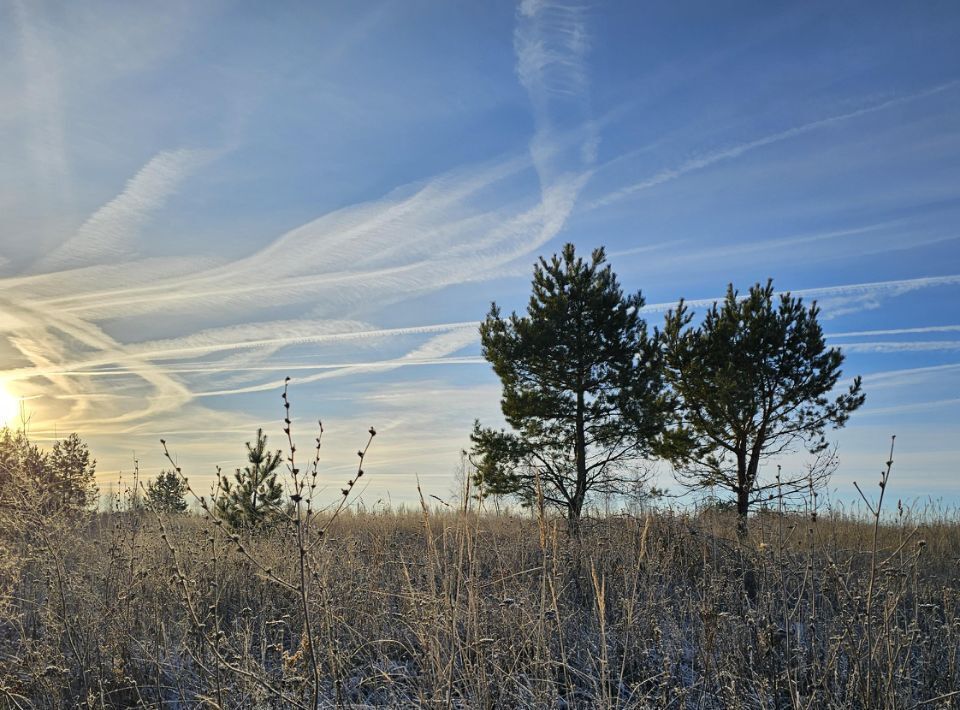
(167, 493)
(752, 381)
(581, 388)
(62, 478)
(253, 499)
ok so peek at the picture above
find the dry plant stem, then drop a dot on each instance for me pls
(218, 679)
(301, 547)
(871, 584)
(600, 599)
(67, 623)
(195, 618)
(345, 492)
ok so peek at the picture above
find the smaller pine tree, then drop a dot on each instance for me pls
(166, 493)
(254, 497)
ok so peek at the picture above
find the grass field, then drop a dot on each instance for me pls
(455, 608)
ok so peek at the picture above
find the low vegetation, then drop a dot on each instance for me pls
(460, 607)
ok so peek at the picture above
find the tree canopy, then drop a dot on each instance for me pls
(167, 493)
(59, 479)
(582, 390)
(752, 380)
(254, 497)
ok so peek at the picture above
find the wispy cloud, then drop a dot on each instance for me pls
(911, 407)
(360, 258)
(897, 331)
(909, 376)
(832, 298)
(739, 252)
(254, 335)
(551, 43)
(902, 346)
(647, 248)
(110, 232)
(434, 352)
(736, 151)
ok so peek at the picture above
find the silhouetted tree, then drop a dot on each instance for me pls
(752, 380)
(582, 390)
(167, 493)
(254, 498)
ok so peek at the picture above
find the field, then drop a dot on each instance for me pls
(448, 607)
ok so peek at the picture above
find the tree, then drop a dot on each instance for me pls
(61, 479)
(166, 493)
(22, 467)
(254, 498)
(71, 474)
(582, 390)
(752, 381)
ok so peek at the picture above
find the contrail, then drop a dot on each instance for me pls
(738, 150)
(897, 331)
(108, 232)
(893, 287)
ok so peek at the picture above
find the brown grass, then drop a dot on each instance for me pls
(460, 609)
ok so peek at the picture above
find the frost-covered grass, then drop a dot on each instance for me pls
(457, 609)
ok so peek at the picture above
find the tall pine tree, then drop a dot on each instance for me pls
(582, 390)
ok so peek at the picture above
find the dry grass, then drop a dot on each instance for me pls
(460, 609)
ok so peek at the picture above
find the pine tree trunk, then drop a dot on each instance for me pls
(743, 495)
(743, 508)
(744, 486)
(575, 509)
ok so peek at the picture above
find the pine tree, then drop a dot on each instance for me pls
(752, 380)
(166, 493)
(70, 474)
(254, 498)
(582, 390)
(58, 480)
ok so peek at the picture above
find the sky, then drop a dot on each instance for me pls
(199, 199)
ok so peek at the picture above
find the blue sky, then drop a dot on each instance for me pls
(198, 199)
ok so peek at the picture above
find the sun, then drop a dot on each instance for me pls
(9, 407)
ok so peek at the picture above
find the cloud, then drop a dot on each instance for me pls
(168, 394)
(740, 251)
(900, 347)
(450, 229)
(736, 151)
(400, 245)
(897, 331)
(912, 407)
(833, 298)
(551, 42)
(647, 248)
(898, 377)
(110, 232)
(434, 352)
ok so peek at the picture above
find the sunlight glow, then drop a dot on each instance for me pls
(9, 407)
